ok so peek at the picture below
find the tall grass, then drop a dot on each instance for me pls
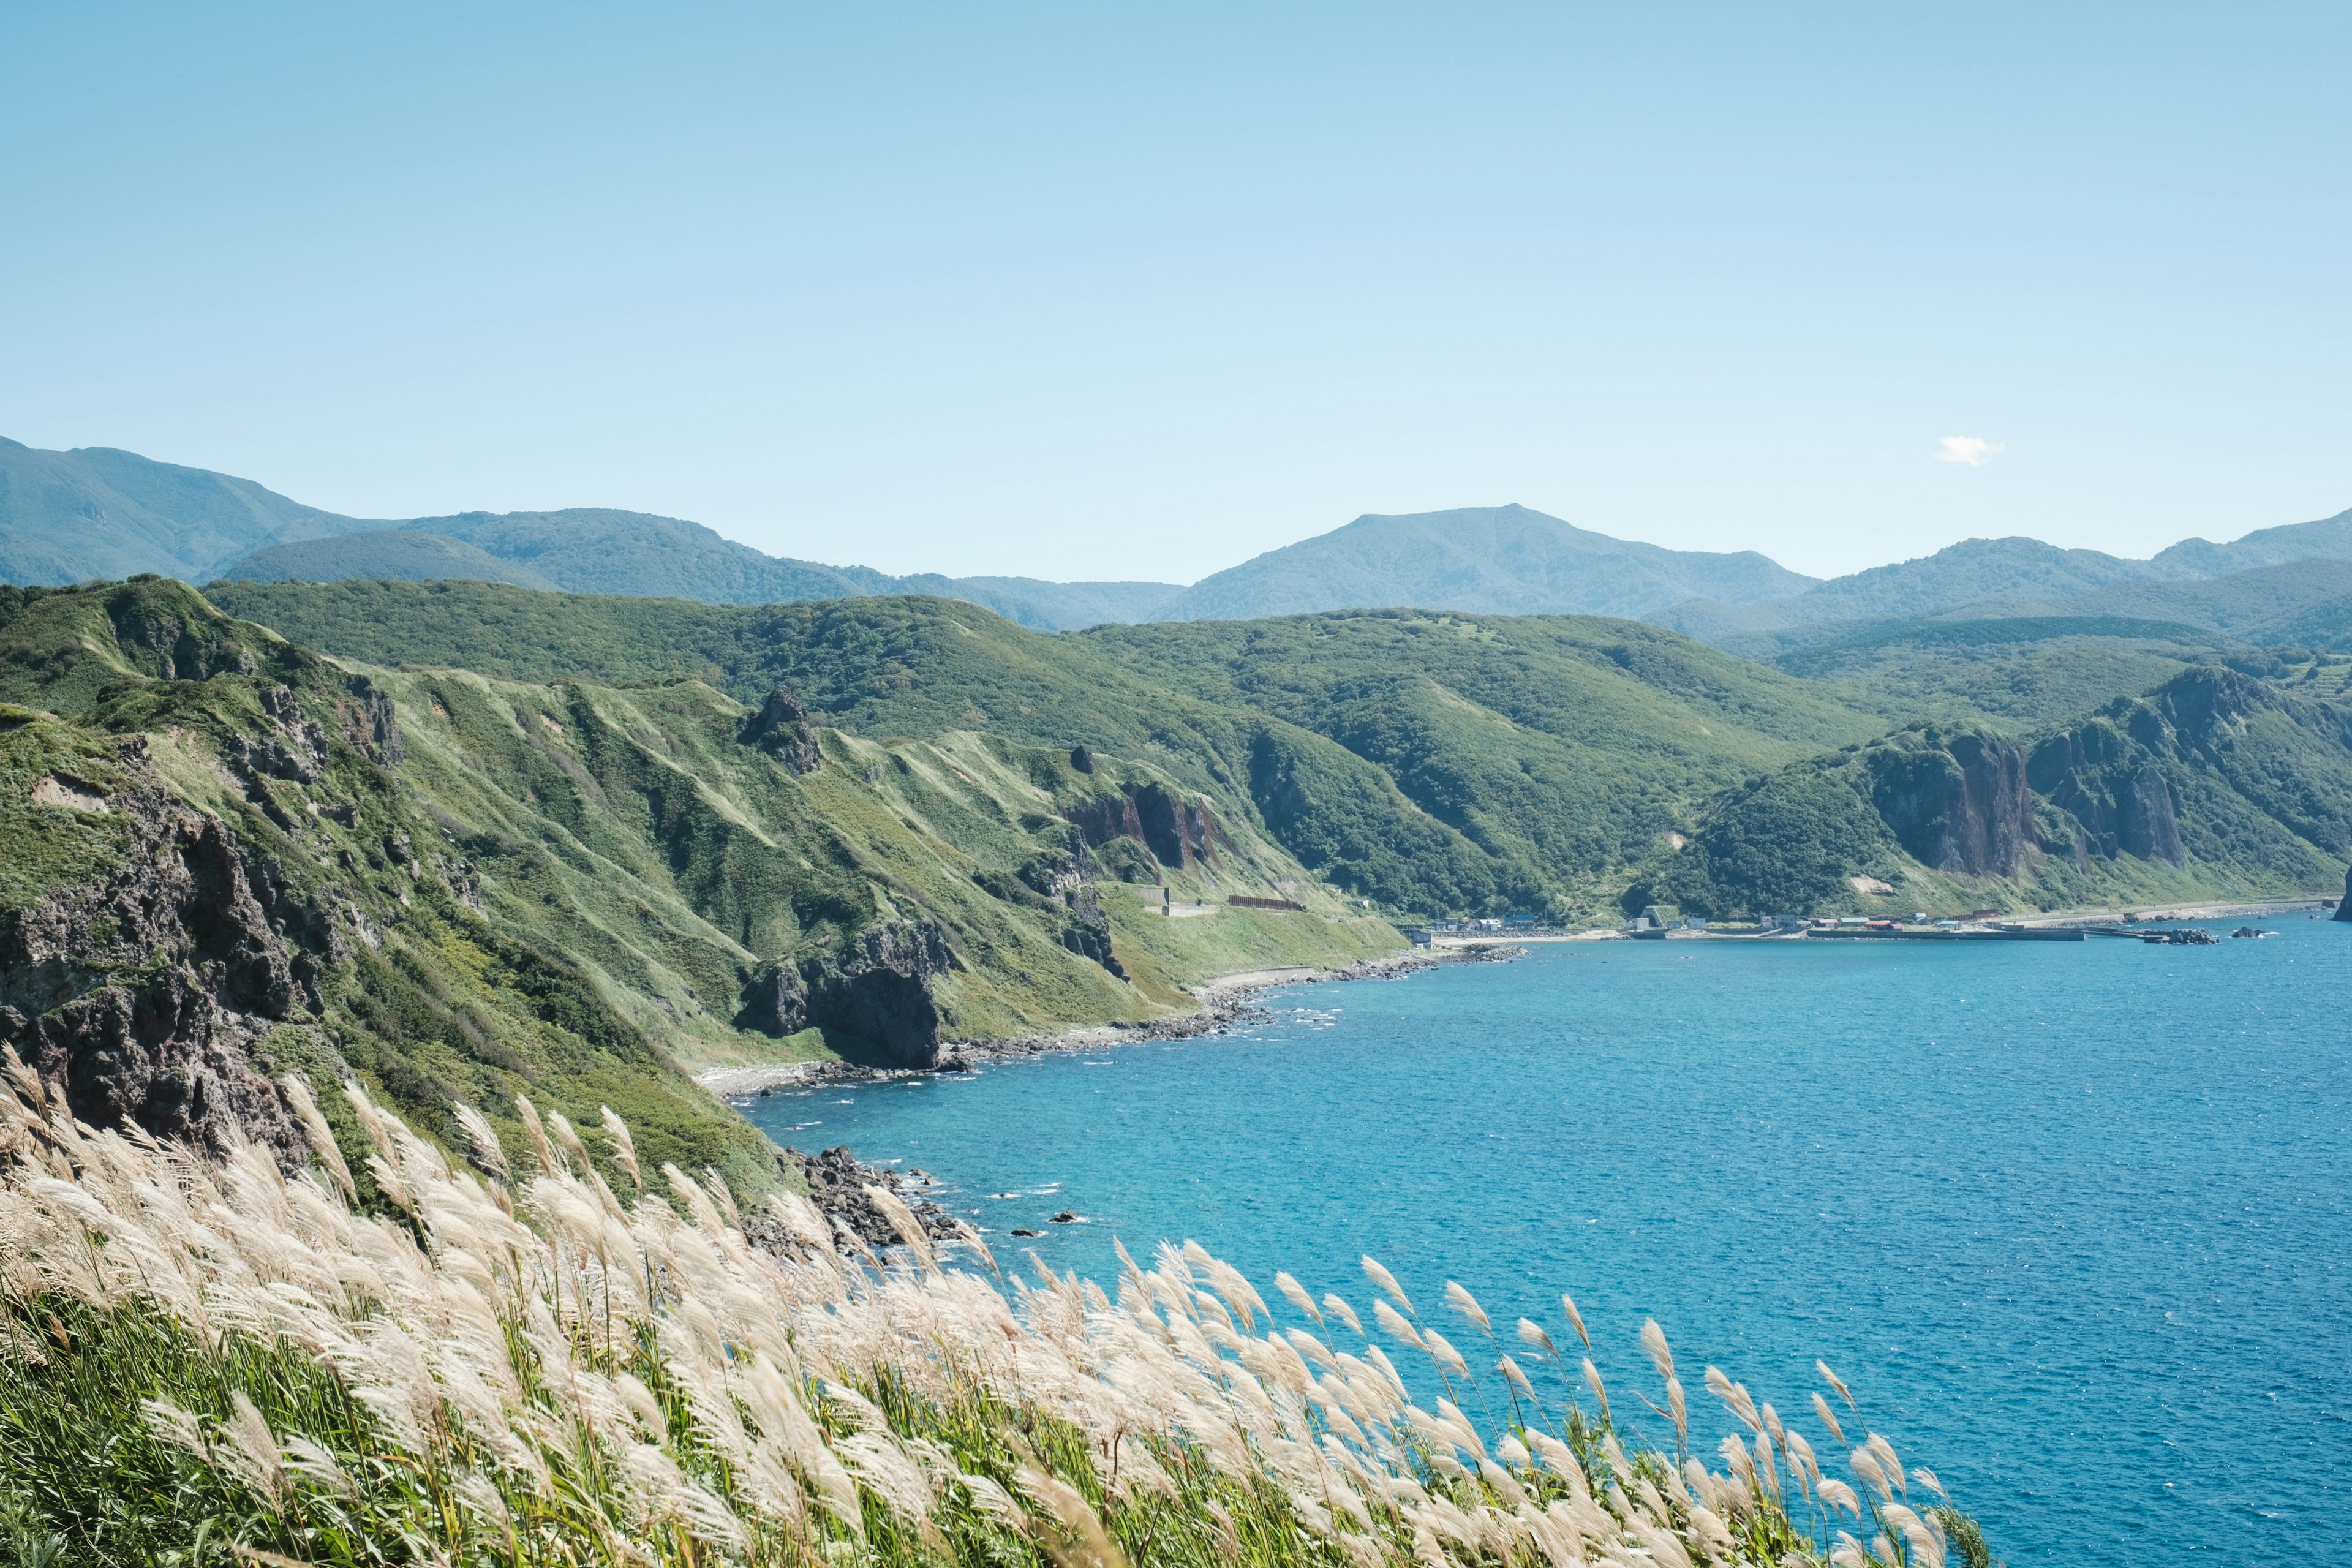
(213, 1364)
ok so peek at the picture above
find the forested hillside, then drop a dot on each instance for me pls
(2217, 783)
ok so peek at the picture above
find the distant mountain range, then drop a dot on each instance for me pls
(96, 513)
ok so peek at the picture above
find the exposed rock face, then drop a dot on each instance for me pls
(1179, 832)
(370, 724)
(146, 993)
(1088, 933)
(878, 989)
(1962, 808)
(2344, 905)
(781, 729)
(2123, 802)
(775, 1003)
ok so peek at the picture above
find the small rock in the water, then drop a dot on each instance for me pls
(1065, 1217)
(1019, 1232)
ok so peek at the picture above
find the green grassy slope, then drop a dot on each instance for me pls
(1566, 745)
(571, 889)
(913, 669)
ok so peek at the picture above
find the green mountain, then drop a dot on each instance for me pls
(2217, 783)
(67, 517)
(2015, 578)
(1503, 560)
(224, 857)
(94, 512)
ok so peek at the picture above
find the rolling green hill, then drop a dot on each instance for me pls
(386, 555)
(1437, 764)
(1567, 745)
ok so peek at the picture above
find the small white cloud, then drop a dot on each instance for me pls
(1971, 451)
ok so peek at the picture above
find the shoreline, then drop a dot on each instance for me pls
(1226, 1001)
(2050, 919)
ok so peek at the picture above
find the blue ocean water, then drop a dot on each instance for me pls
(2070, 1219)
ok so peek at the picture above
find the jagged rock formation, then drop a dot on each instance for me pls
(1961, 806)
(781, 729)
(148, 994)
(2344, 905)
(2122, 809)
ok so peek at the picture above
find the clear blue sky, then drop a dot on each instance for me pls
(1118, 291)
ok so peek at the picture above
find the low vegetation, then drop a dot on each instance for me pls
(507, 1364)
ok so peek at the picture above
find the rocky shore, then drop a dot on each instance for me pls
(837, 1180)
(1225, 1003)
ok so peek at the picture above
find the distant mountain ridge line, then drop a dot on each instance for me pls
(100, 512)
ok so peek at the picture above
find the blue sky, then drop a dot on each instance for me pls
(1133, 291)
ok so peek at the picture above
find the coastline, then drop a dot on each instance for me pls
(1226, 1001)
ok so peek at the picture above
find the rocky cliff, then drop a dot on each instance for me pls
(1957, 803)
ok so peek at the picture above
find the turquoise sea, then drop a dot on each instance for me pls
(2072, 1220)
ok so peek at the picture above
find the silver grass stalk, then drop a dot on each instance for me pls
(323, 1137)
(1576, 1319)
(1344, 1312)
(537, 1131)
(1834, 1381)
(1387, 1281)
(1297, 1294)
(625, 1148)
(1462, 1301)
(1654, 1342)
(1829, 1417)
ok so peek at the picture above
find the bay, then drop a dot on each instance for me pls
(2071, 1220)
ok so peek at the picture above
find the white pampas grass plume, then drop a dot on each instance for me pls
(1344, 1312)
(1927, 1477)
(1462, 1301)
(1387, 1281)
(322, 1136)
(625, 1148)
(1533, 1333)
(1837, 1494)
(1392, 1322)
(1885, 1453)
(488, 1152)
(175, 1425)
(1829, 1417)
(1834, 1381)
(1592, 1381)
(1516, 1378)
(1444, 1353)
(902, 1220)
(1297, 1294)
(1576, 1319)
(1654, 1342)
(537, 1129)
(1514, 1453)
(1865, 1465)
